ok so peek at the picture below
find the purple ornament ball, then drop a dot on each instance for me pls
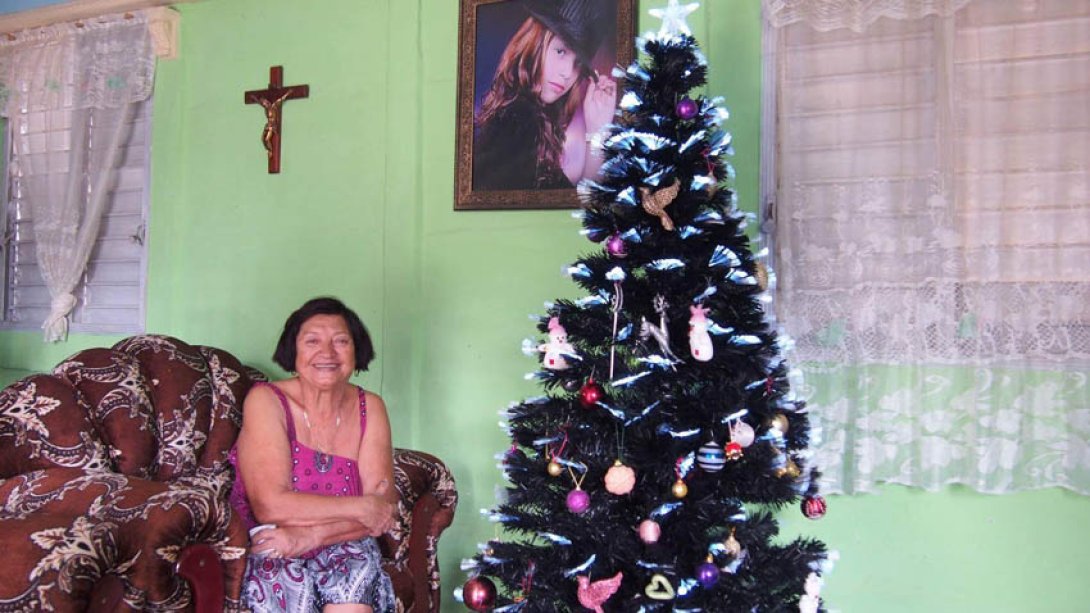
(708, 575)
(686, 108)
(615, 246)
(578, 501)
(479, 594)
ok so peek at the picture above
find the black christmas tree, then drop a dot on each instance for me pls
(647, 476)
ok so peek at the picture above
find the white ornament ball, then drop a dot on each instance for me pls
(650, 531)
(620, 479)
(711, 457)
(742, 433)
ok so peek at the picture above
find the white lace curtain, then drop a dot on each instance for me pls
(931, 231)
(78, 81)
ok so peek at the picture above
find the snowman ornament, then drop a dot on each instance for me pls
(700, 342)
(557, 346)
(810, 601)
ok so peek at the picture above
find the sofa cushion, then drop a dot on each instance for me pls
(114, 392)
(181, 396)
(42, 425)
(231, 381)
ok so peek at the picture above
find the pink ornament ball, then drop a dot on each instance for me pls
(743, 434)
(615, 246)
(814, 507)
(686, 108)
(578, 501)
(650, 531)
(620, 479)
(708, 575)
(479, 594)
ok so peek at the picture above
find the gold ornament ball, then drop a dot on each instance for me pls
(555, 469)
(792, 469)
(779, 472)
(680, 490)
(780, 423)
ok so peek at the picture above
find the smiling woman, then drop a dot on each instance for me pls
(314, 493)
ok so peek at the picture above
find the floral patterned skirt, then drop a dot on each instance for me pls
(344, 573)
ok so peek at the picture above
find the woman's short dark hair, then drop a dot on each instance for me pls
(284, 355)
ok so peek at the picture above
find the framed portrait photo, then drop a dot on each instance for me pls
(535, 88)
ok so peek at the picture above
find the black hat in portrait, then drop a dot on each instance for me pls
(578, 22)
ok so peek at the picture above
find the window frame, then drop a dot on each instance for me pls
(145, 109)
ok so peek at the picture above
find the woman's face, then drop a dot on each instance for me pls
(558, 71)
(324, 352)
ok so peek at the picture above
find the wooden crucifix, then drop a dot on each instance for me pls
(272, 100)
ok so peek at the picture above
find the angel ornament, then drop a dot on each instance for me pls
(700, 342)
(557, 347)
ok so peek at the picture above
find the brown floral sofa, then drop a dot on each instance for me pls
(114, 484)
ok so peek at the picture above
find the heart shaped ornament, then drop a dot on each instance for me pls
(659, 588)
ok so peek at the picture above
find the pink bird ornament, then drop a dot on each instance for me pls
(592, 595)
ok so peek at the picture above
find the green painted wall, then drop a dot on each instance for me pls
(363, 210)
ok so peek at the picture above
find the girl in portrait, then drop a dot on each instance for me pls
(536, 124)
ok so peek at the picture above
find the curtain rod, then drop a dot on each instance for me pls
(74, 10)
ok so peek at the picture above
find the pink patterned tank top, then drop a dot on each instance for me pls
(312, 471)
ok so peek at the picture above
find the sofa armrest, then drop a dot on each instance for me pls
(69, 530)
(199, 564)
(428, 500)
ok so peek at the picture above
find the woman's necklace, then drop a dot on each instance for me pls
(314, 439)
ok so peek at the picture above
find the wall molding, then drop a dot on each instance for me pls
(74, 10)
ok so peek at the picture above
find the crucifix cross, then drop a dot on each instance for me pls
(272, 100)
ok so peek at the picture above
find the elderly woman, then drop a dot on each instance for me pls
(315, 472)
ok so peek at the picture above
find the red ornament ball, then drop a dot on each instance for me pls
(813, 507)
(686, 108)
(479, 594)
(590, 394)
(733, 451)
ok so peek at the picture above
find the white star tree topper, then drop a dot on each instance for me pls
(673, 18)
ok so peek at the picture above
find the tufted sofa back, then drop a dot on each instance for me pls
(151, 407)
(113, 470)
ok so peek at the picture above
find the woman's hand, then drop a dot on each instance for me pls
(284, 542)
(378, 512)
(599, 104)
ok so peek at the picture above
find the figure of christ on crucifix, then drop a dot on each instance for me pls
(272, 100)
